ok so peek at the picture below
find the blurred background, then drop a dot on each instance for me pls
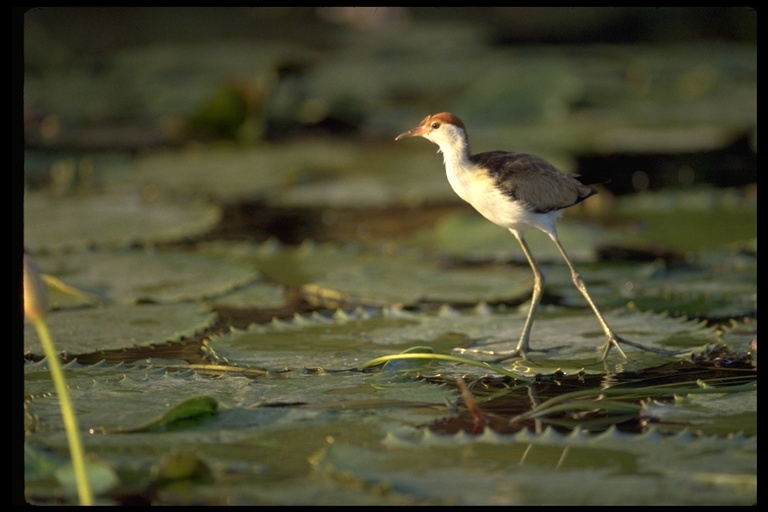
(187, 171)
(308, 100)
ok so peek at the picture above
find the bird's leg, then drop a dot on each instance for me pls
(612, 338)
(523, 345)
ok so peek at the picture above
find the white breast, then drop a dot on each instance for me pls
(478, 189)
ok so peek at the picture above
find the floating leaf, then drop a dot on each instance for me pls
(469, 236)
(712, 218)
(300, 424)
(546, 468)
(138, 276)
(119, 326)
(186, 411)
(111, 219)
(151, 399)
(373, 277)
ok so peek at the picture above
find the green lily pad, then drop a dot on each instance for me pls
(232, 174)
(469, 236)
(183, 413)
(116, 218)
(694, 288)
(118, 326)
(545, 468)
(175, 396)
(381, 278)
(136, 276)
(311, 428)
(692, 220)
(721, 412)
(346, 340)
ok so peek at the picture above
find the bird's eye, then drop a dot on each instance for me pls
(435, 125)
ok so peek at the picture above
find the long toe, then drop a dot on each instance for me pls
(498, 356)
(494, 356)
(617, 341)
(522, 353)
(610, 342)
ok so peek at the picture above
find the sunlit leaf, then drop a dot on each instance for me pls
(335, 401)
(112, 219)
(186, 411)
(375, 277)
(119, 326)
(138, 276)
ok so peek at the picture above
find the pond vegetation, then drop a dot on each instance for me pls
(259, 298)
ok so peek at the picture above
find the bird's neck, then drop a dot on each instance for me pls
(458, 167)
(456, 153)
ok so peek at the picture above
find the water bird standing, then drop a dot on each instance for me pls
(516, 191)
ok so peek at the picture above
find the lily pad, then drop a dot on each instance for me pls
(346, 340)
(693, 220)
(175, 395)
(237, 174)
(118, 326)
(303, 420)
(111, 219)
(264, 431)
(468, 236)
(545, 468)
(707, 412)
(382, 277)
(693, 288)
(256, 294)
(135, 276)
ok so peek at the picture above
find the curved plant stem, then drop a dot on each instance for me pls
(610, 398)
(70, 421)
(443, 357)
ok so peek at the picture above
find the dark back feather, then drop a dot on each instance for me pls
(533, 181)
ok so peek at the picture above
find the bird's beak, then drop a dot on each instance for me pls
(415, 132)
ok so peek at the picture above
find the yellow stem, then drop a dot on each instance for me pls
(70, 421)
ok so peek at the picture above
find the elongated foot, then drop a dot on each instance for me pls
(614, 340)
(497, 356)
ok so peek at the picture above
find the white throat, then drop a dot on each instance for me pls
(454, 146)
(476, 186)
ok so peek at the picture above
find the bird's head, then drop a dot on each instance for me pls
(444, 129)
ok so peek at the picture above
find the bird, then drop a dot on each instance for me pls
(519, 192)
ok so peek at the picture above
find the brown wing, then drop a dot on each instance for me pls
(533, 181)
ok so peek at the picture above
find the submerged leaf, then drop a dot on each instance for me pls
(101, 477)
(180, 466)
(190, 409)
